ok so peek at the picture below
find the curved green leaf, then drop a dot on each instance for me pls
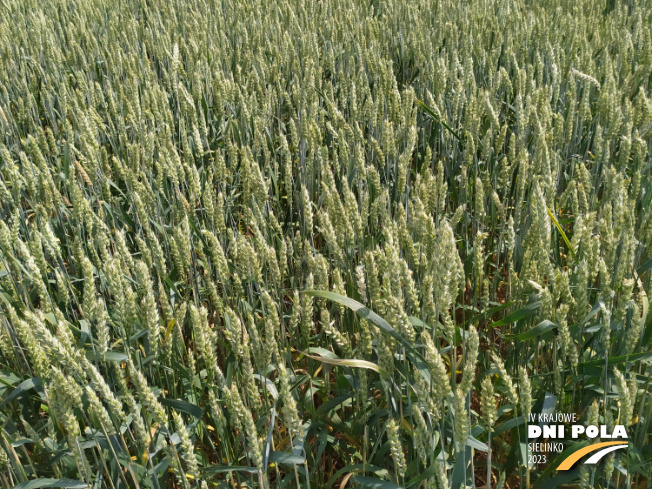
(220, 469)
(108, 356)
(42, 483)
(350, 362)
(563, 234)
(33, 383)
(286, 458)
(372, 482)
(522, 313)
(366, 313)
(541, 328)
(183, 406)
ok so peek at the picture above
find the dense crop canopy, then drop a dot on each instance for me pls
(283, 243)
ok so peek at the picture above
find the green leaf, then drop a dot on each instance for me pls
(561, 231)
(414, 321)
(594, 310)
(51, 318)
(333, 403)
(477, 444)
(549, 403)
(350, 362)
(7, 298)
(21, 442)
(524, 455)
(374, 483)
(84, 326)
(508, 425)
(366, 313)
(522, 313)
(438, 119)
(644, 267)
(108, 356)
(38, 483)
(460, 470)
(353, 468)
(541, 328)
(8, 378)
(323, 352)
(621, 359)
(25, 386)
(426, 474)
(559, 480)
(183, 406)
(220, 469)
(486, 314)
(286, 458)
(269, 385)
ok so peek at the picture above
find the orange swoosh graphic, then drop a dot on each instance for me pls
(574, 457)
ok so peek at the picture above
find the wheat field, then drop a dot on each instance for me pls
(324, 243)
